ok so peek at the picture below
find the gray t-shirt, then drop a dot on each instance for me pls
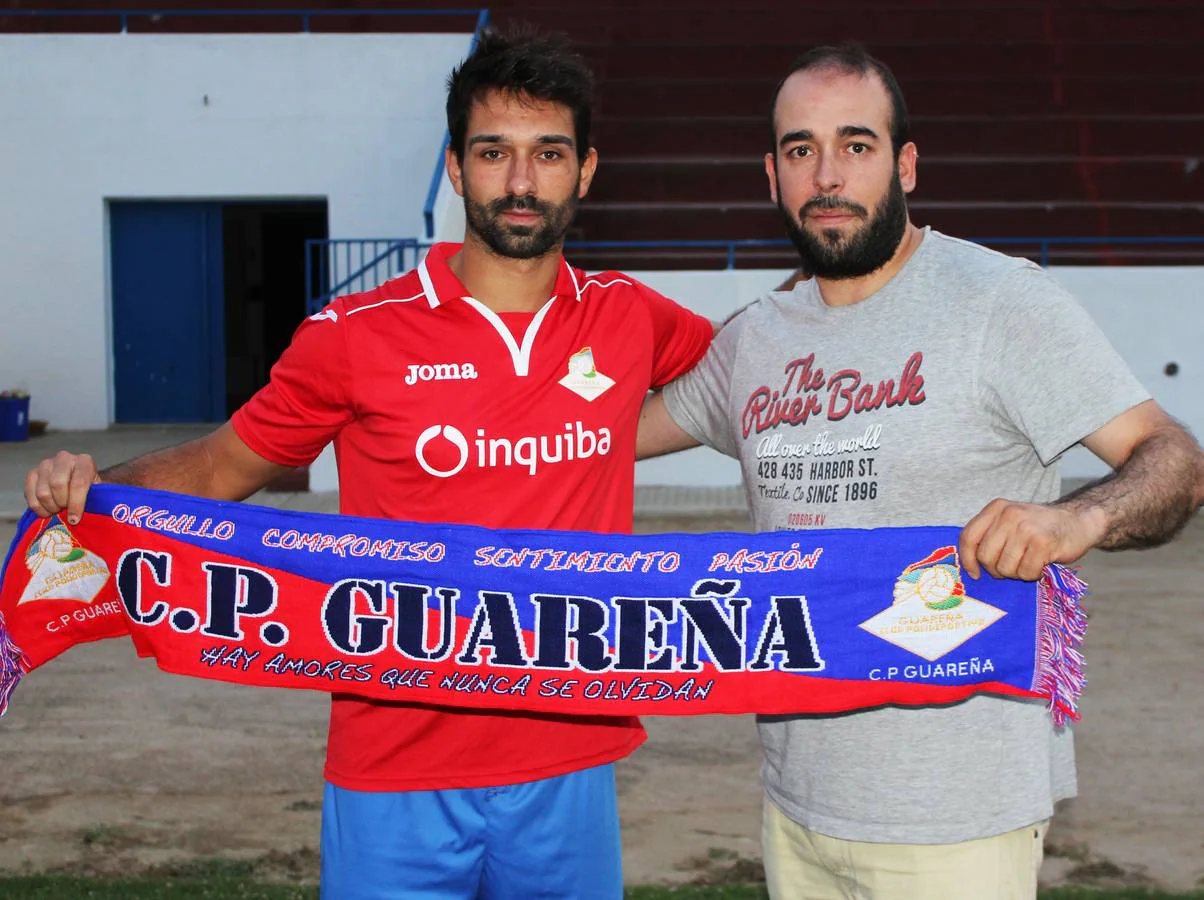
(961, 380)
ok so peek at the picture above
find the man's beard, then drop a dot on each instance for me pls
(520, 241)
(831, 254)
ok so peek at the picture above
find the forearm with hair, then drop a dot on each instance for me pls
(1149, 499)
(185, 469)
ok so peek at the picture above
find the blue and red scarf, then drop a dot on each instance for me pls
(566, 622)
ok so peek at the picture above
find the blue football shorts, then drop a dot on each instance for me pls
(553, 839)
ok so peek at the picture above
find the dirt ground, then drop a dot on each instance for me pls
(108, 765)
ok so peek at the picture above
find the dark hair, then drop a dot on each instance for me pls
(850, 58)
(521, 62)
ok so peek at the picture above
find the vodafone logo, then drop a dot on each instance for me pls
(528, 452)
(451, 433)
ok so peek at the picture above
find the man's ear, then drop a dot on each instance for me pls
(455, 172)
(771, 170)
(588, 166)
(908, 158)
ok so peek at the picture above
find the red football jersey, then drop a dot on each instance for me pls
(443, 411)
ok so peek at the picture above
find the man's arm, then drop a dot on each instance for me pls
(218, 466)
(1156, 484)
(657, 433)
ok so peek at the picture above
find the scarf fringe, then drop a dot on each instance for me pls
(12, 666)
(1062, 625)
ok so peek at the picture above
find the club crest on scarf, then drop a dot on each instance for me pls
(60, 569)
(931, 614)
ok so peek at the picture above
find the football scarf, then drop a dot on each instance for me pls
(816, 621)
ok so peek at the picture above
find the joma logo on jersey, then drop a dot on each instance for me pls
(441, 372)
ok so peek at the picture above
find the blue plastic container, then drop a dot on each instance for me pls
(14, 418)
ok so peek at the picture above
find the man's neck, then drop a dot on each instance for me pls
(504, 284)
(847, 291)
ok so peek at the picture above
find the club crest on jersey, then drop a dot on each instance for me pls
(931, 614)
(583, 378)
(61, 569)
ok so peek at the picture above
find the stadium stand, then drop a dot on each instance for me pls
(1033, 118)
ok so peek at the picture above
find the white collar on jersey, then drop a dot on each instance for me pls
(440, 251)
(520, 354)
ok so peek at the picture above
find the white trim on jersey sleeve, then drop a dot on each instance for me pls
(581, 286)
(360, 309)
(520, 355)
(428, 286)
(602, 285)
(573, 278)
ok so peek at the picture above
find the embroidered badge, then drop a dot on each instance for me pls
(931, 614)
(60, 569)
(583, 378)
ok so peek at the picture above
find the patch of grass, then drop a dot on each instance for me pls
(104, 836)
(220, 884)
(699, 892)
(1072, 850)
(202, 870)
(1118, 893)
(720, 866)
(758, 892)
(61, 887)
(1103, 870)
(303, 864)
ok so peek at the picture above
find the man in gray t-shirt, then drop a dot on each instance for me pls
(912, 381)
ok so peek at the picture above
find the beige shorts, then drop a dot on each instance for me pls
(804, 865)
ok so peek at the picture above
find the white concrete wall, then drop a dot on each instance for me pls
(449, 214)
(1153, 316)
(353, 119)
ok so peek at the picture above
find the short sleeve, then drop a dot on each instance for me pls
(1048, 369)
(307, 398)
(679, 337)
(700, 400)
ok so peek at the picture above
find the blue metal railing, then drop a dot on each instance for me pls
(432, 191)
(342, 266)
(729, 248)
(347, 266)
(1046, 243)
(1043, 244)
(124, 15)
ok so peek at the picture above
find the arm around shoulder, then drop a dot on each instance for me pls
(658, 433)
(680, 337)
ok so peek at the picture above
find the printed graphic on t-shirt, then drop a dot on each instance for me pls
(815, 445)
